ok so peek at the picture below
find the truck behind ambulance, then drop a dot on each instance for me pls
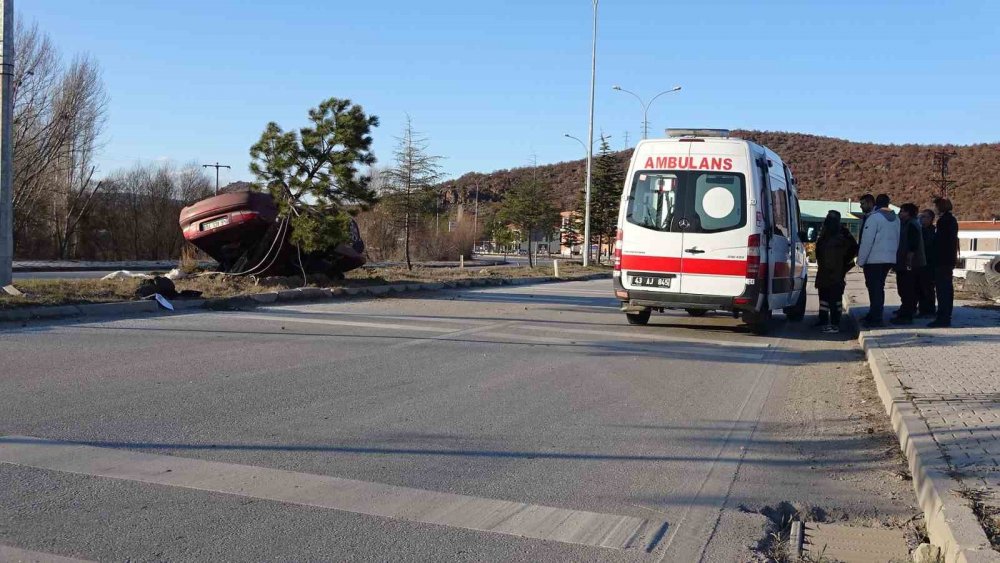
(709, 222)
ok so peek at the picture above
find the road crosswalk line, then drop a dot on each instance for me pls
(348, 495)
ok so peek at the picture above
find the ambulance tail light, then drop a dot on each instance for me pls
(753, 257)
(618, 251)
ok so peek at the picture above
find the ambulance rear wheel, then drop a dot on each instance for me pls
(639, 318)
(697, 312)
(797, 312)
(758, 323)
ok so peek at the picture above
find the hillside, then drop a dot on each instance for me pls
(827, 168)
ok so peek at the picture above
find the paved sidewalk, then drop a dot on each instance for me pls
(950, 379)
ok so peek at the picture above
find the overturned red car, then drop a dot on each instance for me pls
(242, 232)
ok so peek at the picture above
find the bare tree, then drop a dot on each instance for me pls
(410, 183)
(59, 115)
(81, 95)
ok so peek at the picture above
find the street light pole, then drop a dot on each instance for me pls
(590, 146)
(217, 166)
(587, 152)
(6, 148)
(645, 106)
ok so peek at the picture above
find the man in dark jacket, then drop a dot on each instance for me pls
(835, 252)
(945, 257)
(925, 276)
(909, 259)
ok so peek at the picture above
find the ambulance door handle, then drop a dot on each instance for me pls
(694, 250)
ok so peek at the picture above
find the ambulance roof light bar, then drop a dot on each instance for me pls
(677, 133)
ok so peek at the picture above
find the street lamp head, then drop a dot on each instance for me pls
(675, 89)
(616, 87)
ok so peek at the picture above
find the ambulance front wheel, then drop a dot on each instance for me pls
(639, 318)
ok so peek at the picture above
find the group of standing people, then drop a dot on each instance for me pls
(922, 253)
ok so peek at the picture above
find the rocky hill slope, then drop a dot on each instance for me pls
(827, 168)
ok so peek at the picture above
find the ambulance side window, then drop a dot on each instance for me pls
(779, 206)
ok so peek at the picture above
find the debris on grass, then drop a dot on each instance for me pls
(43, 292)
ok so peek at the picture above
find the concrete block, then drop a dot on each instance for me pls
(289, 295)
(55, 312)
(378, 290)
(15, 315)
(269, 297)
(313, 293)
(185, 304)
(118, 309)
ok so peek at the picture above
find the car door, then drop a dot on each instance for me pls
(715, 233)
(651, 241)
(780, 247)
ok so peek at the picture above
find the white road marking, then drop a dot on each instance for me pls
(644, 336)
(336, 322)
(380, 316)
(661, 348)
(14, 555)
(348, 495)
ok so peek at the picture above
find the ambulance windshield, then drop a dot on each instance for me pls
(688, 201)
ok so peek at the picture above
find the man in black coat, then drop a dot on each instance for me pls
(835, 253)
(925, 276)
(909, 260)
(945, 257)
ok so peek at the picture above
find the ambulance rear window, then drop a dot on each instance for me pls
(688, 201)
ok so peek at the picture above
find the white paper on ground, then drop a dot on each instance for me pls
(163, 302)
(124, 275)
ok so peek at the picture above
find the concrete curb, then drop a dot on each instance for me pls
(951, 524)
(305, 294)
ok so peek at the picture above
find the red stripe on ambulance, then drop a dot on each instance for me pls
(688, 163)
(705, 266)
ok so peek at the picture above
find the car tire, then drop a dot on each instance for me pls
(759, 323)
(640, 318)
(797, 312)
(697, 312)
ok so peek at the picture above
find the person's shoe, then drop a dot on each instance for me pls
(900, 320)
(939, 323)
(831, 329)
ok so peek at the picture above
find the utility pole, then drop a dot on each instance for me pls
(941, 159)
(475, 220)
(217, 166)
(626, 141)
(590, 145)
(6, 150)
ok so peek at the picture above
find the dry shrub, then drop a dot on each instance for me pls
(446, 245)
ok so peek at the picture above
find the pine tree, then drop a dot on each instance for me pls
(605, 198)
(410, 183)
(528, 206)
(313, 173)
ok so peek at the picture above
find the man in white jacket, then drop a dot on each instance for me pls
(877, 255)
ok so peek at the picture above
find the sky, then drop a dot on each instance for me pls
(495, 85)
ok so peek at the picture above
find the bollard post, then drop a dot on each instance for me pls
(461, 261)
(555, 268)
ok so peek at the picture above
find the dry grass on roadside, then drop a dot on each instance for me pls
(75, 292)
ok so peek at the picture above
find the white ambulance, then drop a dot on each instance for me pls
(709, 222)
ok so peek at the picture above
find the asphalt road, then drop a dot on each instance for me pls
(62, 275)
(680, 441)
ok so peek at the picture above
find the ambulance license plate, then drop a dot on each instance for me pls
(651, 281)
